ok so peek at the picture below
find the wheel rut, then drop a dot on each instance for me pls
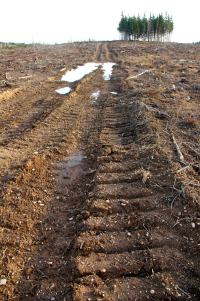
(128, 247)
(39, 200)
(102, 53)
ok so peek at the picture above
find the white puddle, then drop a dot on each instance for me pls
(81, 71)
(64, 91)
(95, 95)
(107, 68)
(78, 73)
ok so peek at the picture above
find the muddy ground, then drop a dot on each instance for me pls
(100, 197)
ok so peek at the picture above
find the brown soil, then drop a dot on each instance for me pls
(96, 202)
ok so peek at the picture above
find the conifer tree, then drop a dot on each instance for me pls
(152, 29)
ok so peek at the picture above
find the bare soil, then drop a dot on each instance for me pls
(100, 198)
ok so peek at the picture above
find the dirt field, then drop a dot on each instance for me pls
(100, 198)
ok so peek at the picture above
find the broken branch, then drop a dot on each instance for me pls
(180, 155)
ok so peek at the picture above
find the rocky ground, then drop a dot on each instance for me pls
(100, 196)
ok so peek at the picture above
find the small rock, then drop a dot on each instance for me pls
(193, 225)
(152, 292)
(3, 281)
(103, 270)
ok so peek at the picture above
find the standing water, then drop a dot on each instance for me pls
(81, 71)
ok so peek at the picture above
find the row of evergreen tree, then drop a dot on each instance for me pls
(148, 29)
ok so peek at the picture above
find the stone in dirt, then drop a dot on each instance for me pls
(3, 281)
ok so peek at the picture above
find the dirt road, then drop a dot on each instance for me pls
(95, 203)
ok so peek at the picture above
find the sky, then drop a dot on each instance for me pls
(60, 21)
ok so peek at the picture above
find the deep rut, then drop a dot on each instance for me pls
(128, 247)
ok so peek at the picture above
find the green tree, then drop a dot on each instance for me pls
(152, 29)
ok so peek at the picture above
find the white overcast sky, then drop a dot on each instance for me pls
(57, 21)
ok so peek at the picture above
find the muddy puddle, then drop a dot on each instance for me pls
(69, 170)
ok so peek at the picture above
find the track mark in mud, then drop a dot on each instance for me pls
(51, 202)
(102, 53)
(128, 247)
(98, 52)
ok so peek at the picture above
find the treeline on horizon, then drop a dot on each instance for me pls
(146, 29)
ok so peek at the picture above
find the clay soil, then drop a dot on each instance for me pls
(100, 198)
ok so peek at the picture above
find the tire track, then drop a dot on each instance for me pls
(35, 185)
(98, 51)
(102, 53)
(127, 248)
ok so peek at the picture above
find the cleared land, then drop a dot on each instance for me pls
(100, 198)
